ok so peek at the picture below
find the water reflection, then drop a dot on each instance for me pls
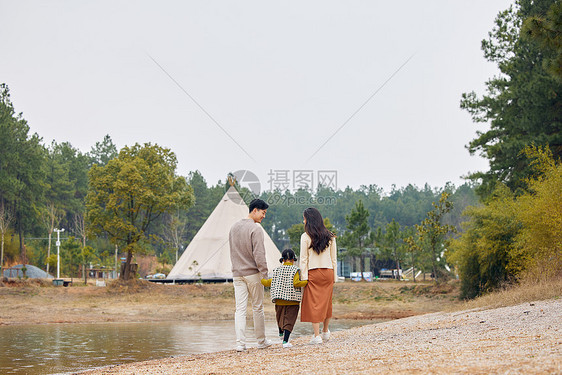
(60, 348)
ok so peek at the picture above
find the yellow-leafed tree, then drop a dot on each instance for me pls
(538, 250)
(512, 237)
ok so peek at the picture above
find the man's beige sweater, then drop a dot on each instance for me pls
(247, 251)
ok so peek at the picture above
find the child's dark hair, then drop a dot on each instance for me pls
(259, 204)
(287, 254)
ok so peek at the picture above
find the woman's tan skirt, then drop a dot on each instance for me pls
(317, 296)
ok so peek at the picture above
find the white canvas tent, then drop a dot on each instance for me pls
(207, 257)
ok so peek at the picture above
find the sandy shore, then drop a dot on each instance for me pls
(521, 339)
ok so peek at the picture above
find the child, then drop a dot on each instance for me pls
(286, 294)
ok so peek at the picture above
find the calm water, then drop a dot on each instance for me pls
(63, 348)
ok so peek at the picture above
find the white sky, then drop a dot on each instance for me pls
(279, 77)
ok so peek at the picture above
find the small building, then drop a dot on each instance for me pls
(31, 272)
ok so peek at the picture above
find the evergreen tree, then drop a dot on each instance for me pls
(545, 30)
(393, 242)
(202, 207)
(357, 233)
(522, 104)
(22, 178)
(102, 152)
(295, 232)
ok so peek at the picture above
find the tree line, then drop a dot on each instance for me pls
(373, 228)
(133, 199)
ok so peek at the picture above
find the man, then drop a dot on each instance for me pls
(247, 253)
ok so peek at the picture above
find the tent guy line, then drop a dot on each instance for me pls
(360, 107)
(198, 270)
(200, 107)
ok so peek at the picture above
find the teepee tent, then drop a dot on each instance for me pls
(207, 257)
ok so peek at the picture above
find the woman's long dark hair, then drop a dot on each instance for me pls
(316, 230)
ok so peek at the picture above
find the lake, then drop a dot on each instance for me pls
(63, 348)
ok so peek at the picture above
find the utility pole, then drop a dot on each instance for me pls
(58, 251)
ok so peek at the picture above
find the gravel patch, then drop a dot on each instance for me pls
(522, 339)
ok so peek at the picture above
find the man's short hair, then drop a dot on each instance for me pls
(259, 204)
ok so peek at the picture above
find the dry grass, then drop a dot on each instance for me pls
(392, 299)
(25, 283)
(27, 301)
(141, 300)
(36, 301)
(525, 291)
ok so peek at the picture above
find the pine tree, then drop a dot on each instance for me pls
(522, 103)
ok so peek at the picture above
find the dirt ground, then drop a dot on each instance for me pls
(38, 302)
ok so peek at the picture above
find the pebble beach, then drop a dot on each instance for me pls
(521, 339)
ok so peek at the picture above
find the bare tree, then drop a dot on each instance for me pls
(80, 230)
(174, 231)
(51, 220)
(80, 227)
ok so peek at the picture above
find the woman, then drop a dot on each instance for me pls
(319, 266)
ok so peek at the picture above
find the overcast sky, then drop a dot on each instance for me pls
(258, 85)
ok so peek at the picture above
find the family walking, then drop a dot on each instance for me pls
(312, 283)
